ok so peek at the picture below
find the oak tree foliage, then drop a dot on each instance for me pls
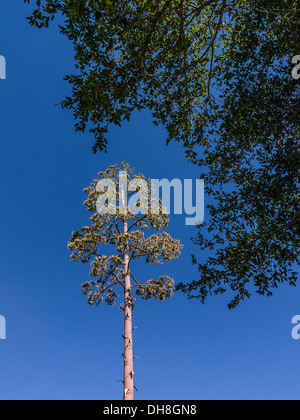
(217, 74)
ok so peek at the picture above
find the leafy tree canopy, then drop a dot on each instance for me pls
(217, 74)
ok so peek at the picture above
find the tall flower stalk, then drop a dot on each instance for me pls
(120, 219)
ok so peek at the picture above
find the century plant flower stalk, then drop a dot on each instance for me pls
(123, 227)
(128, 353)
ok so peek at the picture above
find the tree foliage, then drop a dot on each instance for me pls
(217, 75)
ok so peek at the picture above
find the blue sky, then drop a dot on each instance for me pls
(57, 346)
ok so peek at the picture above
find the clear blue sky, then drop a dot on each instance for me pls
(57, 346)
